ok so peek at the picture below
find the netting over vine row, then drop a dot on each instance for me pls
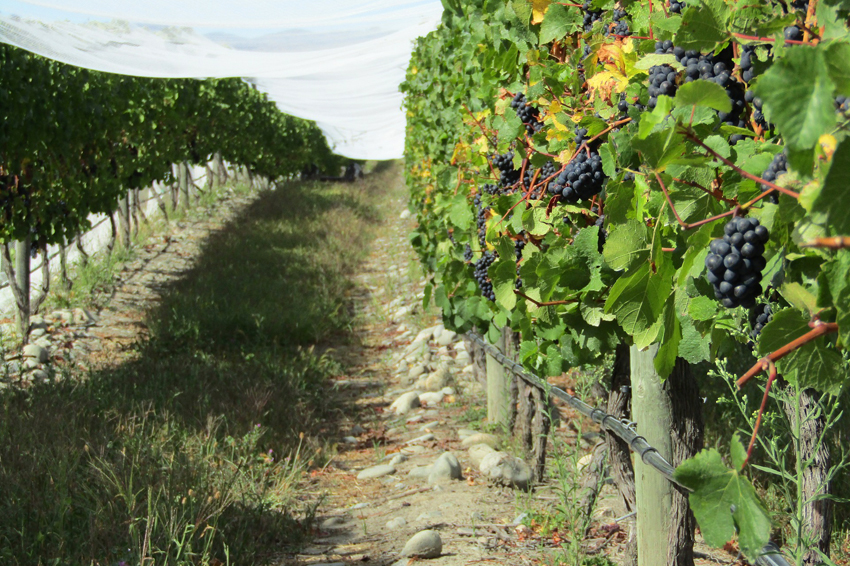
(338, 63)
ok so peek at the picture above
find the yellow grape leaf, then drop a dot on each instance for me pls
(565, 156)
(607, 82)
(538, 10)
(555, 107)
(628, 45)
(828, 143)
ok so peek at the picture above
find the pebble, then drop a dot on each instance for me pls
(446, 468)
(481, 438)
(36, 352)
(424, 438)
(478, 452)
(439, 378)
(333, 522)
(398, 459)
(503, 469)
(349, 440)
(427, 516)
(413, 450)
(424, 544)
(405, 403)
(40, 375)
(397, 523)
(405, 214)
(446, 337)
(421, 472)
(376, 472)
(431, 398)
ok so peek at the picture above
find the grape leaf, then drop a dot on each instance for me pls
(703, 93)
(724, 501)
(559, 21)
(703, 25)
(637, 299)
(797, 94)
(834, 198)
(460, 213)
(669, 337)
(626, 247)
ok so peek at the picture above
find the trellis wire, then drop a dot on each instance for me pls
(621, 428)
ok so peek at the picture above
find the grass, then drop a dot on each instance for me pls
(190, 451)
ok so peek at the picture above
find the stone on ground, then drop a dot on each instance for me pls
(35, 352)
(481, 438)
(503, 469)
(424, 544)
(405, 403)
(378, 471)
(446, 468)
(397, 523)
(478, 452)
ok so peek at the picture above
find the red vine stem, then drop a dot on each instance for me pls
(820, 328)
(682, 223)
(769, 39)
(767, 365)
(740, 171)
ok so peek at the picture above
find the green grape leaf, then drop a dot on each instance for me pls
(838, 60)
(559, 22)
(669, 337)
(834, 198)
(835, 290)
(460, 213)
(702, 308)
(703, 25)
(724, 501)
(797, 93)
(626, 246)
(703, 93)
(637, 299)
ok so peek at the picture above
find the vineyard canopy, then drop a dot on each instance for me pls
(336, 62)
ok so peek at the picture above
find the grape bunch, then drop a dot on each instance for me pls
(519, 245)
(794, 33)
(676, 6)
(490, 189)
(760, 315)
(481, 219)
(746, 64)
(623, 105)
(662, 81)
(620, 27)
(603, 233)
(777, 167)
(736, 262)
(590, 16)
(482, 277)
(529, 115)
(508, 175)
(581, 178)
(527, 180)
(467, 253)
(758, 114)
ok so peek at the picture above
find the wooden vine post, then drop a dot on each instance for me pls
(183, 179)
(22, 279)
(498, 387)
(124, 219)
(654, 494)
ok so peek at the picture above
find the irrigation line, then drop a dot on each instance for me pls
(621, 428)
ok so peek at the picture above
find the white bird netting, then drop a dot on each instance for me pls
(336, 62)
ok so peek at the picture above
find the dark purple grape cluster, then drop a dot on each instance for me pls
(746, 64)
(758, 114)
(490, 189)
(529, 115)
(603, 233)
(623, 105)
(519, 245)
(483, 277)
(581, 178)
(481, 214)
(736, 262)
(581, 135)
(794, 33)
(662, 81)
(548, 170)
(777, 167)
(528, 178)
(508, 175)
(590, 16)
(676, 6)
(620, 26)
(759, 316)
(467, 253)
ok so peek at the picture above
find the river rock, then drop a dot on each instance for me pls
(398, 459)
(445, 468)
(423, 438)
(376, 472)
(446, 337)
(395, 524)
(439, 378)
(36, 352)
(478, 452)
(465, 433)
(481, 438)
(421, 472)
(503, 469)
(431, 398)
(405, 403)
(424, 544)
(416, 371)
